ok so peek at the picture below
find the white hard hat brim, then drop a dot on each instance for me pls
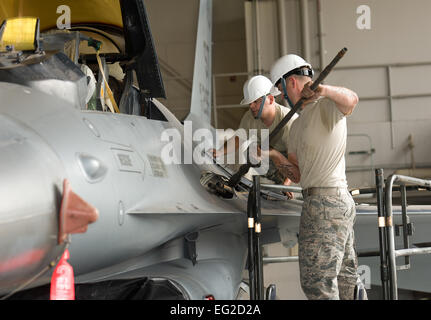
(274, 92)
(245, 101)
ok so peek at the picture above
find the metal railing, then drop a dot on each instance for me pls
(388, 253)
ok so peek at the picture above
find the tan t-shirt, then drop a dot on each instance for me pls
(279, 142)
(318, 137)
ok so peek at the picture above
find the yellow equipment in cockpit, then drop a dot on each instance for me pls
(19, 34)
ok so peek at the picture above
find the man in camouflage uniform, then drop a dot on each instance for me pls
(317, 144)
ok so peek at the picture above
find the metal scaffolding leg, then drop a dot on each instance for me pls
(255, 261)
(251, 259)
(258, 246)
(382, 234)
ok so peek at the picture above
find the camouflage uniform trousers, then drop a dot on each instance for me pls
(327, 258)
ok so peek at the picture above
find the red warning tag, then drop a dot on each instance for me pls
(62, 280)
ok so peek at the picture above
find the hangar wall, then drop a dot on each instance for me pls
(174, 27)
(392, 81)
(386, 65)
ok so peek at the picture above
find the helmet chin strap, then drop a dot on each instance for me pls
(286, 96)
(261, 107)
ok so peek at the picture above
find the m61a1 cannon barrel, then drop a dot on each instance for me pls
(233, 181)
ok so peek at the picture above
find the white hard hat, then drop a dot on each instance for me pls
(256, 87)
(286, 64)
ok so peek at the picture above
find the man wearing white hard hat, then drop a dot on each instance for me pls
(317, 144)
(265, 113)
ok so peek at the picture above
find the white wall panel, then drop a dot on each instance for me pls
(411, 79)
(412, 109)
(370, 112)
(369, 82)
(398, 31)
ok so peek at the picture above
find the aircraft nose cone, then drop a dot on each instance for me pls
(31, 177)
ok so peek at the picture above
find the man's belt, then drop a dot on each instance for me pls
(324, 191)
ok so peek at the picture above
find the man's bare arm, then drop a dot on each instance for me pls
(345, 99)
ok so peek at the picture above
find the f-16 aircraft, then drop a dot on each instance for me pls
(81, 163)
(152, 221)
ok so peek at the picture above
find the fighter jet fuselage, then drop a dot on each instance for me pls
(113, 161)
